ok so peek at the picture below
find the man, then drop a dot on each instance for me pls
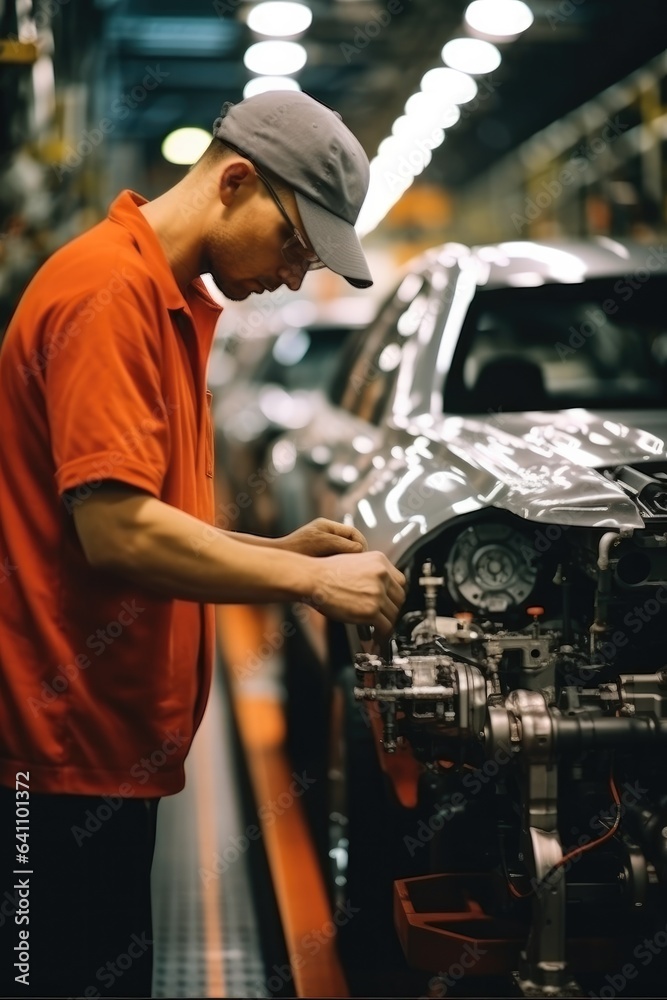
(110, 564)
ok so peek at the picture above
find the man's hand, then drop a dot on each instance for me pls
(132, 534)
(323, 537)
(364, 590)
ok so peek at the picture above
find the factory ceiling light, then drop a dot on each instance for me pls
(471, 55)
(185, 145)
(499, 17)
(279, 19)
(275, 58)
(262, 84)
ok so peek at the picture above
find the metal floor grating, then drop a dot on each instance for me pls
(206, 933)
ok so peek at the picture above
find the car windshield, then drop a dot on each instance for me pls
(598, 344)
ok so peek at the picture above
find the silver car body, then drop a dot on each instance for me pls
(398, 479)
(503, 395)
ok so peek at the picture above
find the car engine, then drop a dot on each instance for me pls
(528, 676)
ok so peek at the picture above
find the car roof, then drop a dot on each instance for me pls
(521, 263)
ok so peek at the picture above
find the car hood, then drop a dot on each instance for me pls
(542, 467)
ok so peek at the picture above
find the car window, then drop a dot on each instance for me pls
(599, 343)
(302, 358)
(373, 369)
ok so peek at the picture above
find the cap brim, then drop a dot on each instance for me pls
(335, 242)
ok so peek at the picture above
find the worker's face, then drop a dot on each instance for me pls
(244, 251)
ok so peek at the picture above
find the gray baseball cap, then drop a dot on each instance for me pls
(306, 144)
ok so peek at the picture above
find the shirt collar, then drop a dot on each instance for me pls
(125, 211)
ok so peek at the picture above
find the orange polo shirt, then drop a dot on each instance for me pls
(102, 376)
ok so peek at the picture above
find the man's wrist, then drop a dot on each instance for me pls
(296, 574)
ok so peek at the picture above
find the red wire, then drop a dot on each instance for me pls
(605, 836)
(578, 850)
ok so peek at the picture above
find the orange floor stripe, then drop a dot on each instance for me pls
(303, 903)
(206, 830)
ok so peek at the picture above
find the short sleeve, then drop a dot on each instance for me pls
(106, 411)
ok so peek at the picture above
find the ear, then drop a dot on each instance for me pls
(236, 175)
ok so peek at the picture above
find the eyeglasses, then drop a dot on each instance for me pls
(296, 252)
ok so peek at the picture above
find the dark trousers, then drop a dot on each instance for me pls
(83, 897)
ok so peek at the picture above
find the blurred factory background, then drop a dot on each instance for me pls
(485, 121)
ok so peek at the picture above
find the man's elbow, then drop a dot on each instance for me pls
(108, 533)
(105, 548)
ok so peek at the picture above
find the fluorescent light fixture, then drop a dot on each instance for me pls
(185, 145)
(275, 58)
(413, 148)
(387, 146)
(432, 110)
(279, 19)
(411, 134)
(263, 84)
(452, 86)
(499, 17)
(404, 154)
(385, 188)
(404, 125)
(471, 55)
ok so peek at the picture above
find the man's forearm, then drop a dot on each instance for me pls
(177, 555)
(161, 548)
(242, 536)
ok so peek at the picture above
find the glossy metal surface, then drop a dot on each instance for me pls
(403, 474)
(541, 473)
